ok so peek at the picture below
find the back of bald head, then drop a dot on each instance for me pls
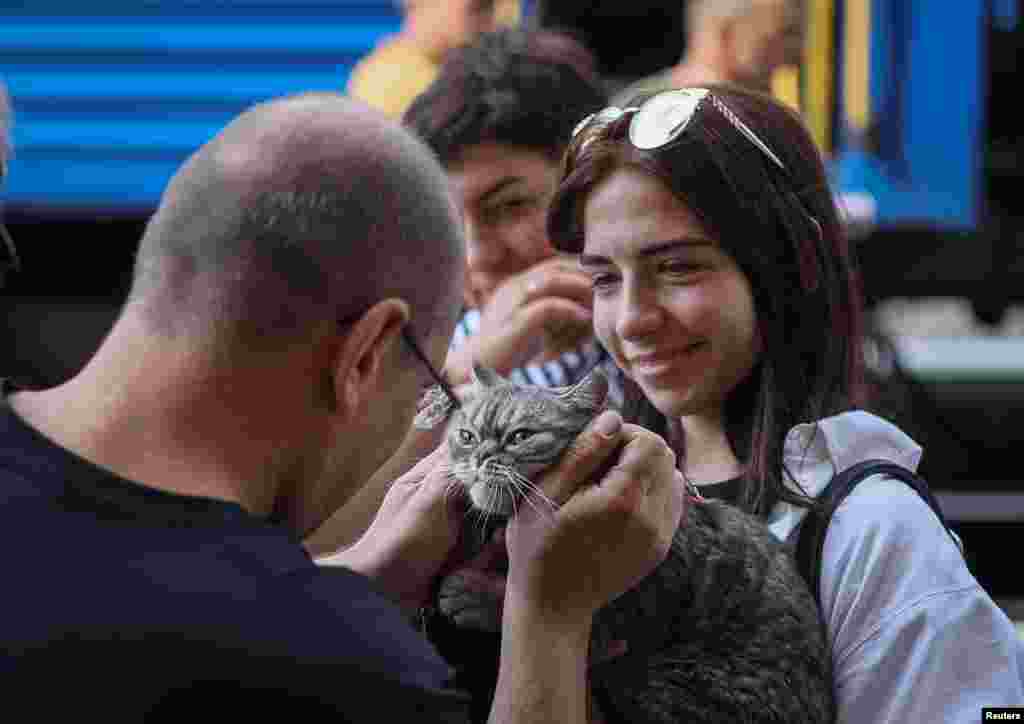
(303, 210)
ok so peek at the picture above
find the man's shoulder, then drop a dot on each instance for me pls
(225, 625)
(330, 635)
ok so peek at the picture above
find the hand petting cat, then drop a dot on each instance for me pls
(603, 538)
(413, 534)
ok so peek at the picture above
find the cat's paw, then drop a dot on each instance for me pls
(472, 599)
(433, 409)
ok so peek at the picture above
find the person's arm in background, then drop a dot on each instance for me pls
(537, 314)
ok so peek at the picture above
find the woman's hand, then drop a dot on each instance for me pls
(607, 534)
(538, 313)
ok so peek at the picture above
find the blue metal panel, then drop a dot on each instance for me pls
(108, 104)
(927, 84)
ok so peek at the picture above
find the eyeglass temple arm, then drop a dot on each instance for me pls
(437, 377)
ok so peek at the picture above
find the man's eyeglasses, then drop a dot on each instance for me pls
(437, 376)
(662, 119)
(417, 352)
(410, 341)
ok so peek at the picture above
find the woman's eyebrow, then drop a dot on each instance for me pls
(660, 247)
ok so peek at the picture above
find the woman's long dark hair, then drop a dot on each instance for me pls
(783, 229)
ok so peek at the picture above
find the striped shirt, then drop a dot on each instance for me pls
(568, 369)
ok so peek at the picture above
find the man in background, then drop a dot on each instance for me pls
(402, 65)
(731, 41)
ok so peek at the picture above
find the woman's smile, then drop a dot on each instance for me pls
(659, 364)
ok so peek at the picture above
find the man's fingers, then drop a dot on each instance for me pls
(429, 469)
(584, 458)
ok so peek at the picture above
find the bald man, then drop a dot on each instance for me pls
(731, 41)
(299, 280)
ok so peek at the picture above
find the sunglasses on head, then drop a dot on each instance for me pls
(662, 119)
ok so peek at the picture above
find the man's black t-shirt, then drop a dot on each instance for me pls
(125, 603)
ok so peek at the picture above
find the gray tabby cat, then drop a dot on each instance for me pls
(725, 629)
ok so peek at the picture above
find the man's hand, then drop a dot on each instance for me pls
(353, 519)
(537, 314)
(605, 537)
(413, 534)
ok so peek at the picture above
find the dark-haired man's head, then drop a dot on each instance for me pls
(499, 115)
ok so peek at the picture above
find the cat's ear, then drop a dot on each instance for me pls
(434, 408)
(485, 376)
(591, 392)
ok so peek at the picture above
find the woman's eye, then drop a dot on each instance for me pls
(680, 267)
(602, 281)
(466, 437)
(519, 436)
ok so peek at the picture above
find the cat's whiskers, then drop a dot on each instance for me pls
(533, 491)
(527, 490)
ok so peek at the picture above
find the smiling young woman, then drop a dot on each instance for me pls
(725, 291)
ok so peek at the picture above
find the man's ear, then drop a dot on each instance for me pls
(361, 353)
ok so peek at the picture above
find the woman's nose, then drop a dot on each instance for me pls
(640, 315)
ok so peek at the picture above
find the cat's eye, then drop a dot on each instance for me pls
(518, 436)
(466, 437)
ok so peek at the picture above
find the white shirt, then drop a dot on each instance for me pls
(914, 636)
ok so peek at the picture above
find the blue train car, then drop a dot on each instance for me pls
(111, 95)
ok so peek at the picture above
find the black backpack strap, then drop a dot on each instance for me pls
(811, 538)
